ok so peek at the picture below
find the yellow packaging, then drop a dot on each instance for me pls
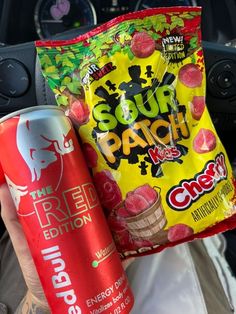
(135, 89)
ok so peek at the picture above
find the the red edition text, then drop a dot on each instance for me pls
(59, 214)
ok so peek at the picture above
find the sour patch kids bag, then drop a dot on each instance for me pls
(135, 88)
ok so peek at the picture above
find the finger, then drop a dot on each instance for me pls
(10, 219)
(13, 226)
(20, 244)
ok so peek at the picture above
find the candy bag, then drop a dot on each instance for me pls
(135, 88)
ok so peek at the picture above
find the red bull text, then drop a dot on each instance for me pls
(63, 221)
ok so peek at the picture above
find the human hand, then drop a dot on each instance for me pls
(35, 300)
(35, 297)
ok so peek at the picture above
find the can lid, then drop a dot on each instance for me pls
(29, 109)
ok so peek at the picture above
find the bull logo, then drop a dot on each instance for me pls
(39, 141)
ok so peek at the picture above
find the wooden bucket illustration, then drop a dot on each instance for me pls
(148, 224)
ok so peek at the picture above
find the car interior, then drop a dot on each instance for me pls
(22, 22)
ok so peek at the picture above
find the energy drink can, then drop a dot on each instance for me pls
(58, 207)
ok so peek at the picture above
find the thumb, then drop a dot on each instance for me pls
(10, 219)
(20, 244)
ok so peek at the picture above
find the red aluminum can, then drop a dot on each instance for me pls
(62, 218)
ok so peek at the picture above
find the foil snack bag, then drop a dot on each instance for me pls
(135, 88)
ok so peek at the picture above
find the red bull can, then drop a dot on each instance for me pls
(58, 207)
